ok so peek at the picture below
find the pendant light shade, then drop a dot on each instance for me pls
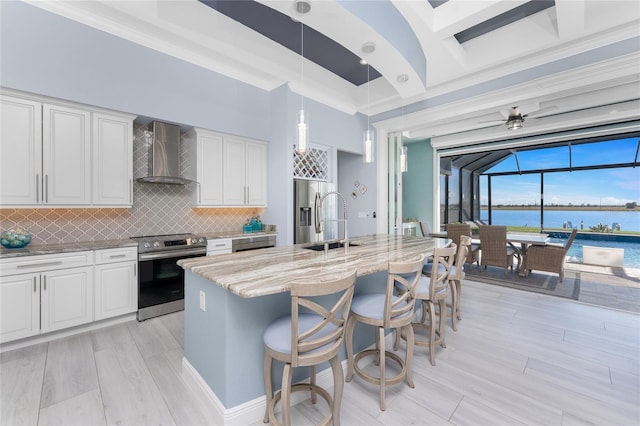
(368, 135)
(368, 146)
(403, 159)
(302, 129)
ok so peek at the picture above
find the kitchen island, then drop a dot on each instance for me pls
(231, 298)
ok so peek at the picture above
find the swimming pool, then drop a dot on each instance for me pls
(630, 244)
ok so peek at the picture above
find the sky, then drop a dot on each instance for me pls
(615, 186)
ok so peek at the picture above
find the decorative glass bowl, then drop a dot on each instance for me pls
(15, 238)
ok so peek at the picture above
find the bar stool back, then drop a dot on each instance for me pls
(312, 335)
(384, 311)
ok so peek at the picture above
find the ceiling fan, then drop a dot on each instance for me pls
(515, 119)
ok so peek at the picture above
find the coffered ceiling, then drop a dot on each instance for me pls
(437, 67)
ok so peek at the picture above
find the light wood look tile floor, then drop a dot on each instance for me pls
(517, 358)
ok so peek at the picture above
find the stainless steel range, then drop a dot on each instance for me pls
(160, 280)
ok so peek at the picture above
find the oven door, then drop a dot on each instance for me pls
(161, 282)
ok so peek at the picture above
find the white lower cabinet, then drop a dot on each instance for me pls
(116, 282)
(20, 306)
(45, 293)
(66, 298)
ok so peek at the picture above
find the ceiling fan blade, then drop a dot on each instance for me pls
(542, 112)
(496, 122)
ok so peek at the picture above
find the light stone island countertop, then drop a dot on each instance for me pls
(271, 270)
(36, 249)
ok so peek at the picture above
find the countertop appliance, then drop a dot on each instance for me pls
(304, 198)
(160, 279)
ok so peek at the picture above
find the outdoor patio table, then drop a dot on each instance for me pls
(525, 239)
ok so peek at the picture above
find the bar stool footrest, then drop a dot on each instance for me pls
(376, 380)
(302, 387)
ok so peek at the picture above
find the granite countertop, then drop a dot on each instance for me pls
(36, 249)
(271, 270)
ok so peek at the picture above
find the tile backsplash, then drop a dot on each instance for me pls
(157, 209)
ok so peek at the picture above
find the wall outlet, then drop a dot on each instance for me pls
(203, 305)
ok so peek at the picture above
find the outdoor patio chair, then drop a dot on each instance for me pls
(495, 249)
(549, 258)
(454, 231)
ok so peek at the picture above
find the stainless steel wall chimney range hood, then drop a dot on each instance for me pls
(163, 141)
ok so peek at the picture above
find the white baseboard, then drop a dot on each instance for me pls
(54, 335)
(251, 411)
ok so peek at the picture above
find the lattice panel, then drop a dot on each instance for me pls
(314, 164)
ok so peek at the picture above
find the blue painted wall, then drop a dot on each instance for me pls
(46, 54)
(417, 182)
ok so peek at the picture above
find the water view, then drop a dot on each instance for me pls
(627, 220)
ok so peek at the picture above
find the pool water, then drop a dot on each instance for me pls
(631, 248)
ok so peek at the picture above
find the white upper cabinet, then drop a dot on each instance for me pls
(20, 151)
(245, 177)
(230, 171)
(112, 143)
(60, 155)
(235, 189)
(207, 159)
(256, 173)
(66, 155)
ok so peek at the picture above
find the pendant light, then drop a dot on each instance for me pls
(302, 117)
(403, 148)
(369, 135)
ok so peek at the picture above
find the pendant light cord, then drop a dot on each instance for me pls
(301, 65)
(368, 95)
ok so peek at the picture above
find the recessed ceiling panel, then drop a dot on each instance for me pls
(280, 28)
(499, 21)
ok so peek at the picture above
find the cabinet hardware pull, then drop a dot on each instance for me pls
(37, 265)
(115, 256)
(37, 188)
(45, 283)
(220, 245)
(248, 195)
(46, 190)
(131, 191)
(135, 269)
(34, 284)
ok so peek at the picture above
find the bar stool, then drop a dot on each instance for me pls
(385, 311)
(429, 292)
(306, 339)
(456, 275)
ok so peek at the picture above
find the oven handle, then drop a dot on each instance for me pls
(173, 253)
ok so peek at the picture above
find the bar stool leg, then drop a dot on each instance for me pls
(338, 387)
(442, 303)
(312, 381)
(409, 358)
(454, 303)
(351, 324)
(381, 360)
(432, 333)
(268, 390)
(286, 394)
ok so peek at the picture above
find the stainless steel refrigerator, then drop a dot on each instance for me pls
(304, 197)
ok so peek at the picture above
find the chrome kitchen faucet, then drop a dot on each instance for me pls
(319, 219)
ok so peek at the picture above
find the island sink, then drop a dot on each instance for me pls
(333, 245)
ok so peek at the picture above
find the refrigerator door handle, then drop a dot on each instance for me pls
(316, 209)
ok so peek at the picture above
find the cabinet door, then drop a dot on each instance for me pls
(66, 155)
(112, 147)
(256, 173)
(66, 298)
(116, 289)
(209, 166)
(234, 172)
(21, 151)
(20, 306)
